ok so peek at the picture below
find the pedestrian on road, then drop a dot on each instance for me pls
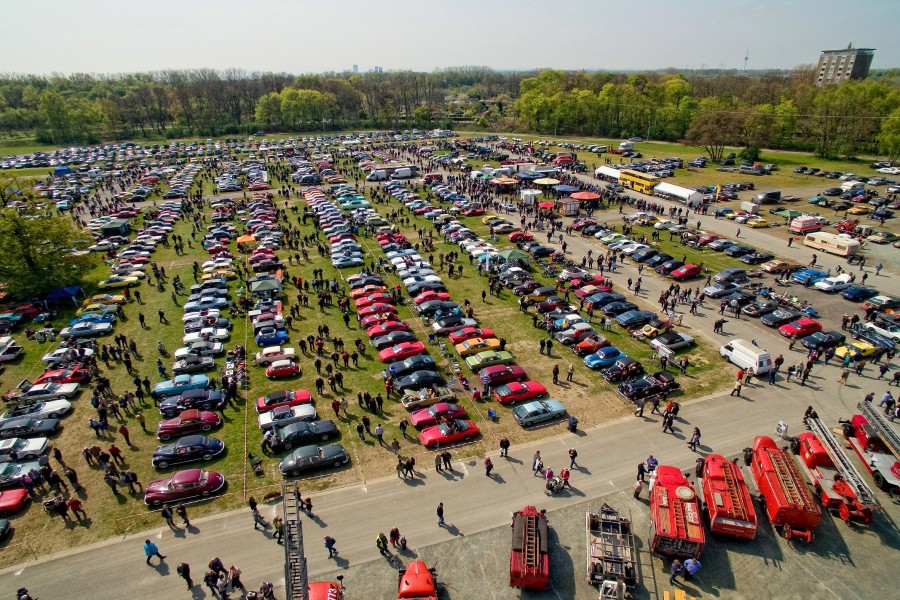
(488, 466)
(440, 514)
(329, 545)
(695, 439)
(691, 568)
(537, 464)
(210, 580)
(641, 472)
(573, 454)
(278, 524)
(258, 520)
(184, 570)
(166, 513)
(447, 457)
(151, 550)
(222, 586)
(234, 578)
(438, 461)
(504, 447)
(181, 511)
(843, 378)
(381, 542)
(737, 388)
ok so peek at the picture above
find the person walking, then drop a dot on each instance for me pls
(537, 464)
(440, 514)
(845, 373)
(166, 513)
(258, 520)
(641, 472)
(151, 550)
(488, 466)
(278, 524)
(381, 543)
(695, 439)
(210, 579)
(181, 511)
(736, 391)
(234, 578)
(573, 454)
(329, 545)
(570, 373)
(556, 374)
(184, 571)
(677, 570)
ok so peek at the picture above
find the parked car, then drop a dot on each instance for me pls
(672, 340)
(188, 421)
(301, 433)
(650, 385)
(189, 448)
(313, 457)
(183, 485)
(197, 399)
(25, 449)
(515, 391)
(284, 415)
(278, 398)
(28, 427)
(448, 432)
(538, 411)
(440, 411)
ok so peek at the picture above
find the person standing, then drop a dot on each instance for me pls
(210, 580)
(504, 447)
(234, 578)
(447, 456)
(151, 550)
(691, 568)
(166, 513)
(278, 524)
(440, 515)
(181, 511)
(570, 372)
(488, 466)
(184, 571)
(537, 464)
(677, 570)
(695, 440)
(556, 374)
(641, 472)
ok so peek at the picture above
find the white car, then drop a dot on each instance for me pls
(200, 348)
(664, 224)
(268, 355)
(65, 354)
(886, 328)
(25, 448)
(631, 249)
(284, 415)
(46, 409)
(213, 313)
(834, 284)
(207, 334)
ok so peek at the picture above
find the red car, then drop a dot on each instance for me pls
(426, 417)
(385, 328)
(513, 392)
(189, 421)
(28, 311)
(428, 295)
(367, 291)
(378, 308)
(446, 433)
(217, 248)
(273, 400)
(401, 351)
(469, 333)
(76, 375)
(580, 224)
(599, 280)
(499, 374)
(800, 328)
(190, 483)
(685, 272)
(590, 345)
(379, 298)
(282, 368)
(12, 501)
(473, 212)
(521, 236)
(376, 319)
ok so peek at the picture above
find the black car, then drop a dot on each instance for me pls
(825, 339)
(756, 258)
(669, 266)
(364, 281)
(657, 260)
(393, 338)
(308, 458)
(418, 287)
(738, 250)
(526, 287)
(649, 385)
(420, 362)
(760, 307)
(614, 309)
(303, 433)
(602, 299)
(190, 448)
(858, 332)
(199, 399)
(418, 380)
(740, 298)
(780, 317)
(622, 369)
(193, 363)
(644, 255)
(428, 309)
(540, 251)
(28, 427)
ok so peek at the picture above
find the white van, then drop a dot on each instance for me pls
(747, 356)
(378, 175)
(626, 146)
(849, 186)
(402, 173)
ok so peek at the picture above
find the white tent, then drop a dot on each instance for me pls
(607, 173)
(667, 190)
(528, 196)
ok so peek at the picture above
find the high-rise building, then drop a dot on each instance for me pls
(836, 66)
(377, 69)
(356, 68)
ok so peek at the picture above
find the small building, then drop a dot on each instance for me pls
(116, 227)
(568, 207)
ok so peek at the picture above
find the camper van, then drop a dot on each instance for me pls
(805, 224)
(626, 146)
(831, 243)
(747, 356)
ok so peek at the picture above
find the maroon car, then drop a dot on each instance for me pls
(426, 417)
(190, 483)
(500, 374)
(189, 421)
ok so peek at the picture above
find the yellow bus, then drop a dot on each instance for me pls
(637, 181)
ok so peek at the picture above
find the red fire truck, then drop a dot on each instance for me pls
(876, 442)
(417, 582)
(675, 528)
(727, 499)
(836, 482)
(529, 560)
(783, 493)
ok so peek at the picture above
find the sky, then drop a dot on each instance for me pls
(299, 36)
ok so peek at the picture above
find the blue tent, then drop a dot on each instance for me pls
(566, 189)
(63, 170)
(65, 293)
(529, 175)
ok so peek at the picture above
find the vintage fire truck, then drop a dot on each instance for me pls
(877, 443)
(787, 501)
(529, 560)
(834, 478)
(612, 554)
(727, 500)
(417, 582)
(675, 527)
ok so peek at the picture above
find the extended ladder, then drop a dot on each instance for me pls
(786, 477)
(737, 501)
(295, 577)
(841, 461)
(531, 542)
(878, 422)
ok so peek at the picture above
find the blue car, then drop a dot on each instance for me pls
(107, 317)
(634, 317)
(857, 293)
(270, 336)
(724, 212)
(181, 384)
(603, 357)
(808, 275)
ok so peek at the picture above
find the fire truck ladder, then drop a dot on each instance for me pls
(737, 500)
(882, 427)
(295, 576)
(677, 509)
(531, 541)
(846, 468)
(784, 471)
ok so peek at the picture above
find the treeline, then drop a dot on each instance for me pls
(777, 110)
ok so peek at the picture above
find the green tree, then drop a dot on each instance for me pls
(268, 109)
(36, 254)
(889, 136)
(55, 112)
(715, 125)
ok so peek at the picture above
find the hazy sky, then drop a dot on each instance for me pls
(298, 36)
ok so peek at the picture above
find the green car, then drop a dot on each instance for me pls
(308, 458)
(489, 358)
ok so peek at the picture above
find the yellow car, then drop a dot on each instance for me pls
(227, 273)
(476, 345)
(488, 219)
(779, 266)
(95, 309)
(860, 346)
(104, 299)
(119, 281)
(757, 223)
(859, 209)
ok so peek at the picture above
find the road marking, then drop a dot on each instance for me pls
(463, 468)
